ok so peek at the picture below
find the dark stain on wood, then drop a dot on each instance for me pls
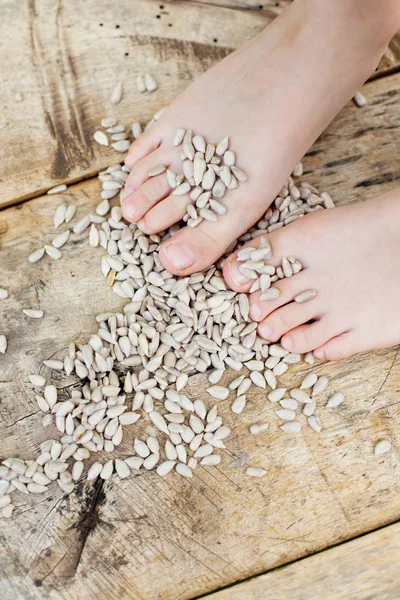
(65, 118)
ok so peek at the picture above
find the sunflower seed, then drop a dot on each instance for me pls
(150, 82)
(382, 447)
(258, 428)
(36, 255)
(116, 94)
(53, 252)
(320, 385)
(61, 239)
(33, 314)
(314, 423)
(183, 470)
(101, 138)
(305, 296)
(291, 427)
(308, 381)
(58, 189)
(157, 170)
(359, 100)
(218, 392)
(335, 400)
(255, 472)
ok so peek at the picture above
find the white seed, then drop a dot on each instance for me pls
(122, 469)
(382, 447)
(101, 138)
(53, 252)
(61, 239)
(150, 82)
(359, 100)
(239, 405)
(335, 400)
(32, 313)
(305, 296)
(107, 470)
(3, 344)
(308, 381)
(255, 472)
(165, 467)
(58, 189)
(258, 428)
(218, 392)
(314, 423)
(36, 255)
(300, 395)
(140, 84)
(116, 94)
(183, 470)
(291, 427)
(320, 385)
(3, 294)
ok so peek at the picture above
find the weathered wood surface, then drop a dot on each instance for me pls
(362, 569)
(146, 538)
(71, 54)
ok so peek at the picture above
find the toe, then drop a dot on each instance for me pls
(285, 319)
(164, 214)
(341, 346)
(136, 204)
(144, 145)
(288, 288)
(194, 249)
(140, 172)
(306, 338)
(284, 242)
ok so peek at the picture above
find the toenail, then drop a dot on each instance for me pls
(237, 277)
(180, 255)
(265, 330)
(129, 211)
(287, 342)
(320, 354)
(255, 311)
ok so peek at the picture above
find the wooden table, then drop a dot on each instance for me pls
(324, 522)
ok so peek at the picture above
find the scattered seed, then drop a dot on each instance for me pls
(116, 94)
(382, 447)
(58, 189)
(305, 296)
(255, 472)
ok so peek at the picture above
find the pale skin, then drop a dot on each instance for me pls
(273, 98)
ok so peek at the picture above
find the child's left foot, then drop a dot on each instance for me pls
(350, 257)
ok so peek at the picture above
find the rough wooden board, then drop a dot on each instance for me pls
(70, 62)
(358, 570)
(72, 54)
(145, 538)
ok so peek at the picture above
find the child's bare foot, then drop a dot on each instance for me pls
(272, 98)
(350, 257)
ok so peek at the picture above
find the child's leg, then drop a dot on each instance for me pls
(350, 255)
(272, 98)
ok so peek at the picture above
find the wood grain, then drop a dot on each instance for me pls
(361, 569)
(175, 539)
(71, 55)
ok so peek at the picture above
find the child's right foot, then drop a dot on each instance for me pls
(272, 98)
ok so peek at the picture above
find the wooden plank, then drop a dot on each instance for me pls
(358, 570)
(174, 539)
(72, 54)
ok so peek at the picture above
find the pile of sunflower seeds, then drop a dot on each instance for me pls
(138, 363)
(208, 172)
